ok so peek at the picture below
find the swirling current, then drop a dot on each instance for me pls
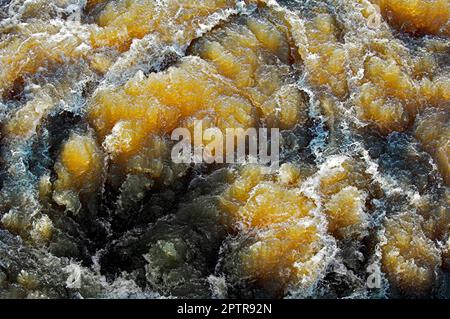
(93, 206)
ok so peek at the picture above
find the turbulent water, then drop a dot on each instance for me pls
(92, 205)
